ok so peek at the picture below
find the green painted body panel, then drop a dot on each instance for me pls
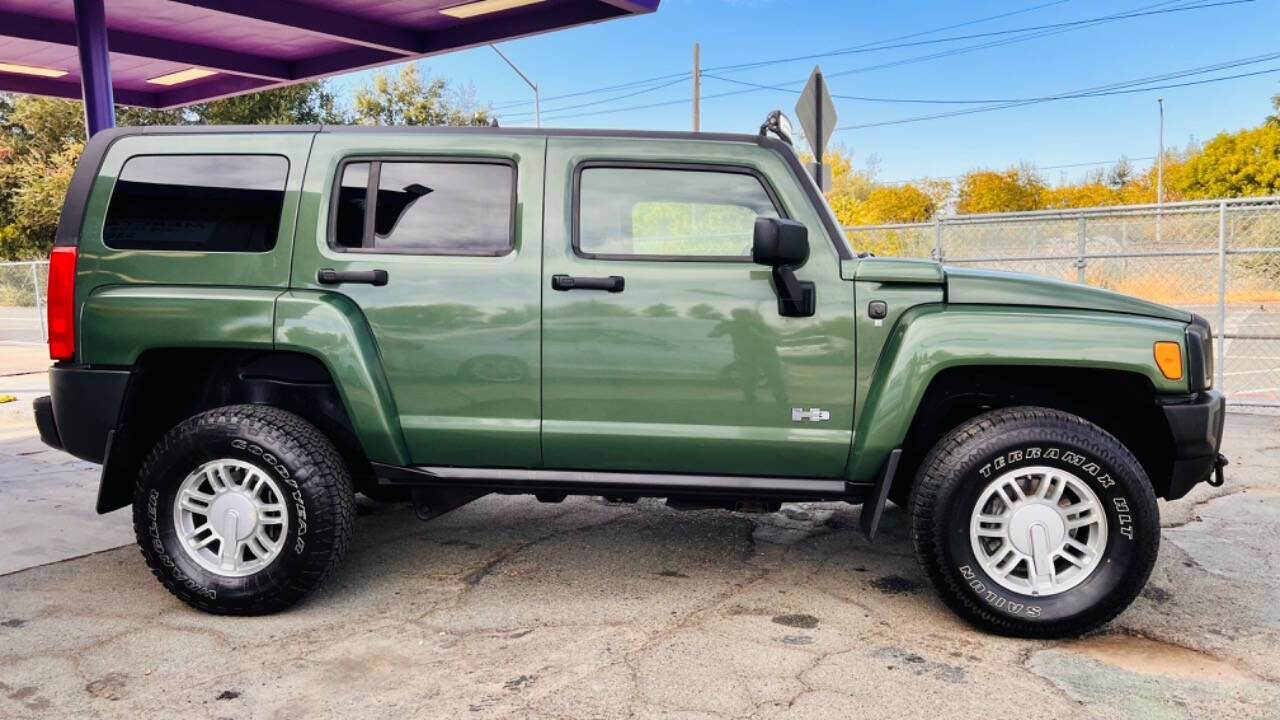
(902, 270)
(691, 368)
(331, 328)
(98, 266)
(967, 286)
(931, 338)
(117, 324)
(458, 338)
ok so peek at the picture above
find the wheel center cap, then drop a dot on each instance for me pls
(1035, 516)
(233, 510)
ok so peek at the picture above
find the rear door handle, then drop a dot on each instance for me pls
(329, 276)
(613, 283)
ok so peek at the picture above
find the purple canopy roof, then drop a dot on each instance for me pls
(258, 44)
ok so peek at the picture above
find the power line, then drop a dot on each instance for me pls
(973, 36)
(601, 102)
(917, 58)
(939, 101)
(1067, 96)
(687, 75)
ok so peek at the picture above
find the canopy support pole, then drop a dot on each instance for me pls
(95, 65)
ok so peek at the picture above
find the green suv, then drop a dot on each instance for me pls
(252, 325)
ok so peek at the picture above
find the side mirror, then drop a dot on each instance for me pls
(779, 242)
(784, 245)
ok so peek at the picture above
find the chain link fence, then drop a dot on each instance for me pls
(1220, 259)
(22, 312)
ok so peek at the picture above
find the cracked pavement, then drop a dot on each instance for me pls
(586, 609)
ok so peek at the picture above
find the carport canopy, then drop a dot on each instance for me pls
(171, 53)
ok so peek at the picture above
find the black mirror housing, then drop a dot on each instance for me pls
(778, 242)
(784, 245)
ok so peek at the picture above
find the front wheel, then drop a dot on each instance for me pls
(243, 510)
(1034, 523)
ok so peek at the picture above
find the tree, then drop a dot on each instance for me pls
(1232, 165)
(1274, 120)
(302, 104)
(407, 100)
(903, 203)
(1121, 173)
(987, 191)
(41, 139)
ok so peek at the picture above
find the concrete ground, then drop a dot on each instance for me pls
(511, 608)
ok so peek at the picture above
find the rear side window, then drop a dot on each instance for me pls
(669, 213)
(204, 203)
(425, 207)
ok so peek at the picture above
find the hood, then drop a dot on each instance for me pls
(988, 287)
(967, 286)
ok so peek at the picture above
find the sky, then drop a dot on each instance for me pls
(1026, 64)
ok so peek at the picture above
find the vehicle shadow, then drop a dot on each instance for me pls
(534, 563)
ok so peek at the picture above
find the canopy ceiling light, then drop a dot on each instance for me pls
(31, 70)
(177, 78)
(484, 7)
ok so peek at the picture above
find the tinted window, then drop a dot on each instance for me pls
(206, 203)
(436, 208)
(634, 212)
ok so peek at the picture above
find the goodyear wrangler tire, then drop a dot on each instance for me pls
(243, 510)
(1034, 523)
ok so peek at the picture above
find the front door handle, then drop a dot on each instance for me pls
(613, 283)
(329, 276)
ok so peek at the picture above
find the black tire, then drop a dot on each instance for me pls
(960, 467)
(318, 500)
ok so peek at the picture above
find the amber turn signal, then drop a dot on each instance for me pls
(1169, 359)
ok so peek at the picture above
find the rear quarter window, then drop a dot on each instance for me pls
(201, 203)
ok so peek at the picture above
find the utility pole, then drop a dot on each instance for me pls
(697, 89)
(1160, 175)
(1160, 158)
(537, 103)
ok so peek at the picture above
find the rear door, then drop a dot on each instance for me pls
(455, 222)
(686, 365)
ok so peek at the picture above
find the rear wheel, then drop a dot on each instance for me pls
(1034, 522)
(243, 510)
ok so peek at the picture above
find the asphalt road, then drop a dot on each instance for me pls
(512, 608)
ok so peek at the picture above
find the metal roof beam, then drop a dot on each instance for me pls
(340, 26)
(69, 90)
(30, 27)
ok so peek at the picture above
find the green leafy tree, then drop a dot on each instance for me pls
(988, 191)
(408, 99)
(1274, 120)
(41, 139)
(1233, 165)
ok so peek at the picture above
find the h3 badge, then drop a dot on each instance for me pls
(812, 415)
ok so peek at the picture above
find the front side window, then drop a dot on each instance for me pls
(429, 208)
(644, 212)
(203, 203)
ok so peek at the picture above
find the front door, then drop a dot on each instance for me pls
(455, 221)
(663, 349)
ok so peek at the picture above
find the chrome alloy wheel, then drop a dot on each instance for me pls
(1038, 530)
(230, 517)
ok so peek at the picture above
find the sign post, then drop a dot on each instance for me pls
(817, 115)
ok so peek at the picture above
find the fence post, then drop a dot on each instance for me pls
(1222, 294)
(937, 240)
(1080, 248)
(35, 285)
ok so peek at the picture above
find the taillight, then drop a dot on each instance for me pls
(61, 298)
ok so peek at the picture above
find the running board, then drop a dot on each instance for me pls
(576, 481)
